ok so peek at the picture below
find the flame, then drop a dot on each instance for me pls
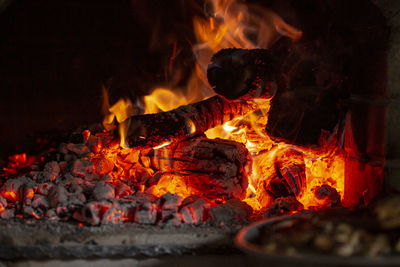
(162, 145)
(175, 184)
(230, 24)
(121, 111)
(163, 100)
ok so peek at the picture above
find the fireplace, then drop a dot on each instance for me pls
(216, 116)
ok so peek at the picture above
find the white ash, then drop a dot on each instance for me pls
(103, 191)
(70, 186)
(232, 211)
(194, 210)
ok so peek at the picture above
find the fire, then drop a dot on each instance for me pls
(163, 100)
(229, 25)
(174, 184)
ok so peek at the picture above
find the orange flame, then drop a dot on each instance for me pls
(230, 24)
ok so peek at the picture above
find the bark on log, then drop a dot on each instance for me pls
(288, 178)
(151, 130)
(308, 97)
(217, 168)
(233, 73)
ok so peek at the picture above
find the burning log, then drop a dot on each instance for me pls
(216, 168)
(283, 205)
(234, 73)
(299, 112)
(151, 130)
(288, 178)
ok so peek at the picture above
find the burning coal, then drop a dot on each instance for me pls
(185, 156)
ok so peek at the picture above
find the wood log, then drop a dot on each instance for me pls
(151, 130)
(288, 177)
(234, 73)
(215, 168)
(307, 97)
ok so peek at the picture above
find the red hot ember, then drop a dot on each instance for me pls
(195, 157)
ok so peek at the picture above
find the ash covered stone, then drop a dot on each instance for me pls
(78, 149)
(233, 211)
(114, 214)
(169, 208)
(194, 210)
(40, 201)
(283, 205)
(52, 215)
(51, 170)
(77, 183)
(122, 189)
(146, 213)
(92, 213)
(44, 188)
(83, 169)
(103, 191)
(171, 201)
(7, 214)
(58, 195)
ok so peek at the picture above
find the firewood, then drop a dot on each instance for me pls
(300, 108)
(216, 168)
(234, 73)
(151, 130)
(288, 177)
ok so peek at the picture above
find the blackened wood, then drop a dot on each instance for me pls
(300, 115)
(151, 130)
(217, 168)
(288, 177)
(234, 72)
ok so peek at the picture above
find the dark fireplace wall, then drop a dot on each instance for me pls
(55, 55)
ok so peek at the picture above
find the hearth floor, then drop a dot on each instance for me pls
(43, 240)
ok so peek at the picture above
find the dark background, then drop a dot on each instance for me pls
(55, 55)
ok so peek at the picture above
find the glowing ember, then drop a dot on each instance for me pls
(302, 169)
(235, 160)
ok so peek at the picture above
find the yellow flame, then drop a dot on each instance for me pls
(191, 126)
(228, 128)
(228, 27)
(163, 100)
(121, 111)
(162, 145)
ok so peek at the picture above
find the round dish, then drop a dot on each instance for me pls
(246, 241)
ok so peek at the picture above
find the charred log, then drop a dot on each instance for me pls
(235, 72)
(151, 130)
(305, 101)
(283, 205)
(216, 168)
(289, 177)
(300, 115)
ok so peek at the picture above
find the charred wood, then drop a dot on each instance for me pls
(217, 168)
(151, 130)
(288, 178)
(233, 73)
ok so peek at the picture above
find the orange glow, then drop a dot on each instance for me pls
(10, 196)
(18, 162)
(34, 215)
(227, 27)
(29, 193)
(174, 184)
(163, 100)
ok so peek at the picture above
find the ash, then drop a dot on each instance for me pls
(78, 182)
